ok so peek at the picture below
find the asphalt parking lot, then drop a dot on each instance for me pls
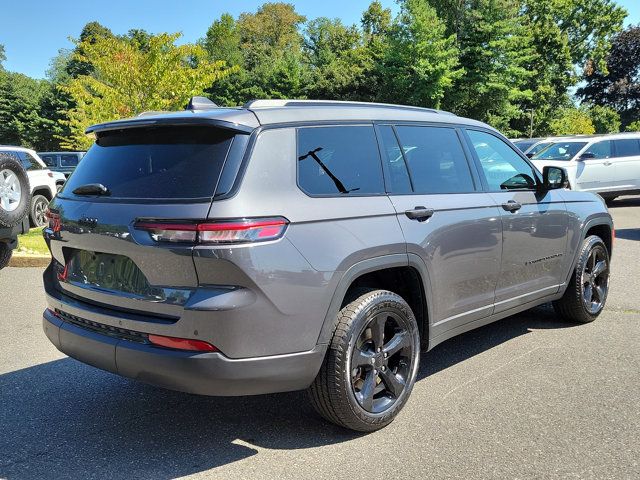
(526, 397)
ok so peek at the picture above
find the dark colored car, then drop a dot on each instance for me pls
(63, 162)
(316, 245)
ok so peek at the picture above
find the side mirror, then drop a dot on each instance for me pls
(529, 155)
(587, 156)
(554, 178)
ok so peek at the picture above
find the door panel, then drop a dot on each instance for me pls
(534, 242)
(455, 229)
(461, 245)
(627, 164)
(596, 174)
(534, 224)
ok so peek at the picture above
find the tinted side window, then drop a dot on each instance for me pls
(436, 160)
(628, 147)
(28, 162)
(399, 181)
(503, 168)
(339, 161)
(600, 149)
(49, 160)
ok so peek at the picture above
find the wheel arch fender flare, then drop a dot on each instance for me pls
(367, 266)
(590, 222)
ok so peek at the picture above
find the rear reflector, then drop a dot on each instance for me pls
(229, 231)
(181, 343)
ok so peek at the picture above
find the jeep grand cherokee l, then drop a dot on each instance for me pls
(315, 245)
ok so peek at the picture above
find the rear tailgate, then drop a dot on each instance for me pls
(160, 173)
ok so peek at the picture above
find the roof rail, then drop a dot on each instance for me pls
(333, 103)
(151, 112)
(200, 103)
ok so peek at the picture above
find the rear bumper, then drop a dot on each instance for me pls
(191, 372)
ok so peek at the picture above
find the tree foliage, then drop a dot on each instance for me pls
(572, 121)
(504, 62)
(421, 63)
(619, 85)
(604, 119)
(126, 80)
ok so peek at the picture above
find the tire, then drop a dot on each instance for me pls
(388, 363)
(15, 192)
(5, 255)
(586, 295)
(39, 204)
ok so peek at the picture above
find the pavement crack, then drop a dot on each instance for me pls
(491, 372)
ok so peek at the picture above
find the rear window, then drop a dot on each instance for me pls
(155, 163)
(339, 161)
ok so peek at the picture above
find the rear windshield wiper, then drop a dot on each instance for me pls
(92, 189)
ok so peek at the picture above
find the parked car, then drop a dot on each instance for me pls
(524, 144)
(63, 162)
(604, 164)
(14, 205)
(44, 183)
(315, 245)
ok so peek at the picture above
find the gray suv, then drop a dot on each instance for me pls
(316, 245)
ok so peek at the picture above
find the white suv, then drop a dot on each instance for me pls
(44, 183)
(604, 164)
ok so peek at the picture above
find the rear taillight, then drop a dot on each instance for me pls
(54, 220)
(222, 232)
(181, 343)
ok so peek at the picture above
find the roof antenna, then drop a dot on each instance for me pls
(200, 103)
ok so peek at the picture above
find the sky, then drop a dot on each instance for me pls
(32, 31)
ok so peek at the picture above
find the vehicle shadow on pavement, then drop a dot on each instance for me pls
(63, 419)
(628, 233)
(630, 201)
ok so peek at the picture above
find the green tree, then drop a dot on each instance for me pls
(421, 62)
(266, 48)
(20, 120)
(619, 86)
(495, 53)
(90, 34)
(126, 81)
(604, 119)
(222, 43)
(633, 126)
(337, 59)
(376, 28)
(572, 121)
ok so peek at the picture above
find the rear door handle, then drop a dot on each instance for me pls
(607, 163)
(420, 213)
(512, 206)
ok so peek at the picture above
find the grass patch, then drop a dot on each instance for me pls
(32, 243)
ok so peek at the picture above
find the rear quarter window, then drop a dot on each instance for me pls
(155, 163)
(340, 161)
(629, 147)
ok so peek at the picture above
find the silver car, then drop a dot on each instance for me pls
(315, 245)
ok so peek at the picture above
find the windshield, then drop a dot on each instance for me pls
(524, 144)
(154, 163)
(538, 148)
(559, 151)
